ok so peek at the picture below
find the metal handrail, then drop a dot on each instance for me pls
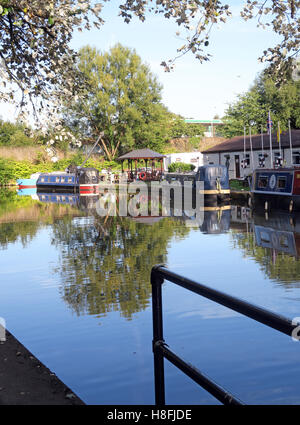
(161, 349)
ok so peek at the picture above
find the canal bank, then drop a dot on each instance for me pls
(24, 380)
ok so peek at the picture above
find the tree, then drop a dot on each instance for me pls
(121, 101)
(179, 128)
(252, 107)
(34, 44)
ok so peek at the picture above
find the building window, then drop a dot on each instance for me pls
(245, 162)
(278, 160)
(296, 157)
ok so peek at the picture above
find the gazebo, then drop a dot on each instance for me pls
(148, 156)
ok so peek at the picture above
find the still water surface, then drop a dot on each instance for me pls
(75, 290)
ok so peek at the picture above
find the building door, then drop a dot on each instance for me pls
(237, 166)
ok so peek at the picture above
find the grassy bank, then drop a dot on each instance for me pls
(12, 169)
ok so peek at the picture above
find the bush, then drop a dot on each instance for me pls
(180, 167)
(6, 172)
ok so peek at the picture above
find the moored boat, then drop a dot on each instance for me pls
(82, 180)
(215, 180)
(28, 183)
(277, 188)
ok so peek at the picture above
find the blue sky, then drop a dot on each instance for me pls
(193, 90)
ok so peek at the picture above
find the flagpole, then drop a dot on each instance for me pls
(252, 159)
(262, 140)
(270, 134)
(244, 171)
(291, 148)
(279, 141)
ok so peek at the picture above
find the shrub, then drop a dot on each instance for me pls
(180, 167)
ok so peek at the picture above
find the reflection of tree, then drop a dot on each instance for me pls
(276, 265)
(15, 232)
(105, 266)
(21, 217)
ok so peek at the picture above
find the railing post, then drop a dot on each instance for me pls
(159, 373)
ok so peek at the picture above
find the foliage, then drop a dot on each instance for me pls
(179, 128)
(122, 102)
(252, 107)
(238, 185)
(105, 266)
(180, 166)
(14, 134)
(195, 141)
(36, 57)
(11, 170)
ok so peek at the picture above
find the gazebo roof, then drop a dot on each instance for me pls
(141, 154)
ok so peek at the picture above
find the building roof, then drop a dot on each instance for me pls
(141, 154)
(237, 143)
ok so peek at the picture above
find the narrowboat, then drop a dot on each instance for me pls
(276, 188)
(28, 183)
(82, 180)
(215, 180)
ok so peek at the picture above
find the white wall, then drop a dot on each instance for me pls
(220, 158)
(195, 158)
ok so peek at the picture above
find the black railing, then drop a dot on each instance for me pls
(161, 349)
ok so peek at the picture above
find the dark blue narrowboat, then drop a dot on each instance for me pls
(82, 180)
(215, 180)
(276, 188)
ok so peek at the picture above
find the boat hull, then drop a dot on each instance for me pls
(26, 183)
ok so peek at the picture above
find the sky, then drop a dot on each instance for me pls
(193, 90)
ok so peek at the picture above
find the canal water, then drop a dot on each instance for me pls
(75, 290)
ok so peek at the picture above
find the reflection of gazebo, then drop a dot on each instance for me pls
(146, 155)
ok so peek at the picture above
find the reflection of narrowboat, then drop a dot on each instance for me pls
(83, 201)
(280, 187)
(216, 220)
(28, 191)
(280, 231)
(59, 198)
(82, 180)
(281, 241)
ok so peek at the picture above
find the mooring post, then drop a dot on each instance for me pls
(158, 339)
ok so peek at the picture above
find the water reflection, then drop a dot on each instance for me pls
(105, 261)
(273, 241)
(216, 219)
